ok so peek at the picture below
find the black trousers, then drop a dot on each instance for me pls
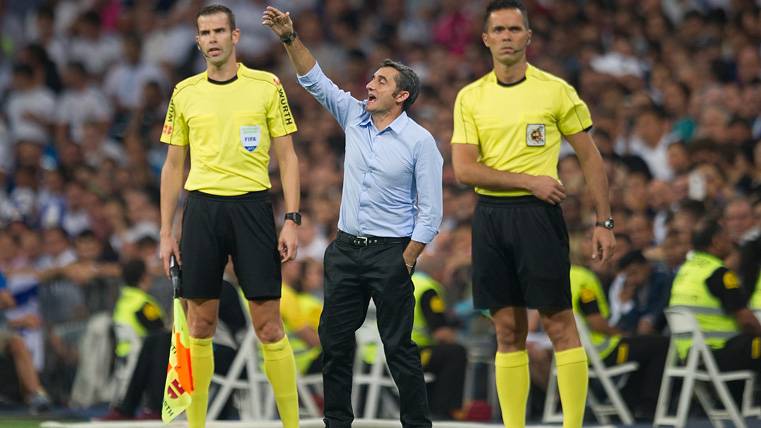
(741, 352)
(353, 275)
(642, 387)
(447, 362)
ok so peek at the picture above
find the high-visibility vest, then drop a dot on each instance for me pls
(691, 291)
(132, 300)
(586, 287)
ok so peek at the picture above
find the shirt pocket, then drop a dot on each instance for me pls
(251, 133)
(202, 134)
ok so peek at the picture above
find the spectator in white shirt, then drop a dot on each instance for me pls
(30, 106)
(91, 47)
(650, 142)
(79, 104)
(125, 80)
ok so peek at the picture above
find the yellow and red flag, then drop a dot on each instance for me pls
(179, 376)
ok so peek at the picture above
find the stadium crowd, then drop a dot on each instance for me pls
(674, 88)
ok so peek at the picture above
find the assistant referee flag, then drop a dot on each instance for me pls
(179, 376)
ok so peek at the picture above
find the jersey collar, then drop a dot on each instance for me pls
(397, 125)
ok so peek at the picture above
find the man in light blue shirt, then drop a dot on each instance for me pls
(391, 208)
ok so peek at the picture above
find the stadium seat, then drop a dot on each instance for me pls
(255, 399)
(699, 373)
(613, 404)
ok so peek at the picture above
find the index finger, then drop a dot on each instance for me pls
(273, 10)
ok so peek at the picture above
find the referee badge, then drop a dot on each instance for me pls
(535, 134)
(249, 137)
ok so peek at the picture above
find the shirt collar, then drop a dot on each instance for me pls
(397, 125)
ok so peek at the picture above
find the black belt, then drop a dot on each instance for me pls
(364, 241)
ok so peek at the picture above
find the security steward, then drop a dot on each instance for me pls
(641, 390)
(135, 309)
(706, 286)
(434, 333)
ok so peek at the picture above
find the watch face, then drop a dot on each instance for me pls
(608, 224)
(296, 217)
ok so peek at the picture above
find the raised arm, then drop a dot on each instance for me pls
(340, 103)
(281, 24)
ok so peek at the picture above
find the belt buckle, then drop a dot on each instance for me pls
(360, 241)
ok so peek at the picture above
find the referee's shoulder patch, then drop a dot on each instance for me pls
(587, 295)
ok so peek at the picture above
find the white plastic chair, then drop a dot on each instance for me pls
(254, 402)
(124, 367)
(614, 405)
(699, 373)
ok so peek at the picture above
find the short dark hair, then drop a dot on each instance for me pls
(214, 9)
(632, 257)
(704, 232)
(406, 80)
(133, 272)
(495, 5)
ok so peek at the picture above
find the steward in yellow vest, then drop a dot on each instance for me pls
(641, 389)
(707, 287)
(135, 309)
(434, 333)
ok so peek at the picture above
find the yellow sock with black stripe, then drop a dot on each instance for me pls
(202, 363)
(512, 386)
(573, 376)
(280, 368)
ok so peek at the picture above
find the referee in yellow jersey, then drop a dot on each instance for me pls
(507, 133)
(230, 116)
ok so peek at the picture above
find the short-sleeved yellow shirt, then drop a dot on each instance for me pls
(228, 126)
(518, 127)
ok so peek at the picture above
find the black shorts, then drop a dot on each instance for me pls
(215, 227)
(520, 254)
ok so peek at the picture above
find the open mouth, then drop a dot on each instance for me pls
(370, 98)
(214, 51)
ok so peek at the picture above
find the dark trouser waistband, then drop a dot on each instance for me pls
(510, 200)
(250, 196)
(364, 241)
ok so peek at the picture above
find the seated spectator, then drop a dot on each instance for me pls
(638, 294)
(642, 387)
(20, 380)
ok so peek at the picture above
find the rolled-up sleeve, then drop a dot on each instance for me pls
(428, 181)
(338, 102)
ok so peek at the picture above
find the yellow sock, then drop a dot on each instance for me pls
(202, 363)
(280, 367)
(573, 376)
(512, 386)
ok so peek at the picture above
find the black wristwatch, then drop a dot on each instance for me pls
(289, 38)
(294, 217)
(608, 224)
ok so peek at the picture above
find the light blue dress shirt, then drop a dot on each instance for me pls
(392, 178)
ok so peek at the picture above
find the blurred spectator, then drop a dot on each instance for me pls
(30, 108)
(638, 295)
(79, 103)
(20, 380)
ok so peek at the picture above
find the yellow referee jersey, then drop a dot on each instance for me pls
(228, 126)
(518, 127)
